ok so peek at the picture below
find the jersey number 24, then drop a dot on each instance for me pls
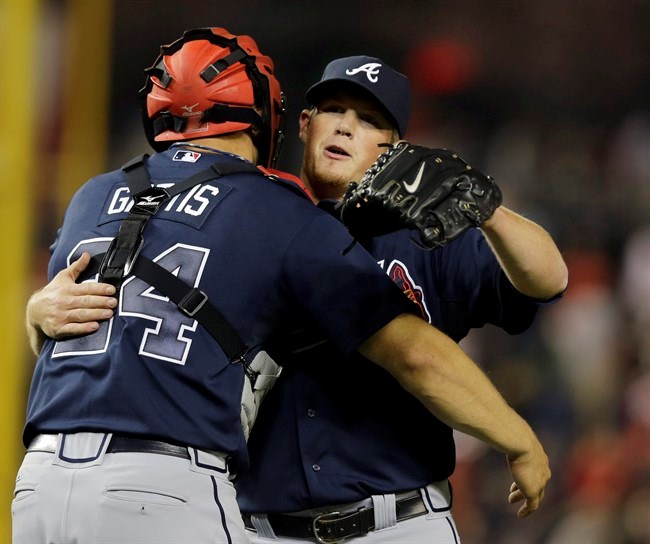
(166, 336)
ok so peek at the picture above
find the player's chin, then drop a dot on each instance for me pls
(345, 172)
(336, 174)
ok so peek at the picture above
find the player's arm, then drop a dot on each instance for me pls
(451, 386)
(527, 254)
(64, 308)
(435, 192)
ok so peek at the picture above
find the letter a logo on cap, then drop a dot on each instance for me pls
(371, 69)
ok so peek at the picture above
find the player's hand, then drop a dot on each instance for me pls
(64, 308)
(531, 473)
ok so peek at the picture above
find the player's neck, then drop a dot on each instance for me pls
(237, 143)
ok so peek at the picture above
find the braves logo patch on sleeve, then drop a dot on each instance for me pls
(398, 272)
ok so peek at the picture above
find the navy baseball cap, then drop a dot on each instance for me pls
(386, 85)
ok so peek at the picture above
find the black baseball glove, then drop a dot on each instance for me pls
(432, 191)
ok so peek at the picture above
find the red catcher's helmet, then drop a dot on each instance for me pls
(211, 82)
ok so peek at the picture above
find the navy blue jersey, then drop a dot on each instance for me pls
(336, 430)
(266, 257)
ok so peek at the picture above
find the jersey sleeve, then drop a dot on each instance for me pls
(489, 295)
(339, 285)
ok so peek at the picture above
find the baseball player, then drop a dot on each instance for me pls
(133, 432)
(340, 445)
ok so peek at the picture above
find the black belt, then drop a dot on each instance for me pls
(118, 444)
(334, 526)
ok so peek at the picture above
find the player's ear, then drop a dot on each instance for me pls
(305, 120)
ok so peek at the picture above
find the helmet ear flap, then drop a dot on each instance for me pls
(211, 82)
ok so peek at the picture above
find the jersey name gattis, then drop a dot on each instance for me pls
(191, 207)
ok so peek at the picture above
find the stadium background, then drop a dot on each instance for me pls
(551, 98)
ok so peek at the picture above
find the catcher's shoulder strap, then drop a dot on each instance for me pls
(123, 255)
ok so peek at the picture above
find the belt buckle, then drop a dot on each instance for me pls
(324, 517)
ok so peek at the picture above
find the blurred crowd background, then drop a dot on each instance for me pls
(550, 97)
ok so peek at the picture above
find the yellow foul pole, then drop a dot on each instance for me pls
(18, 22)
(82, 153)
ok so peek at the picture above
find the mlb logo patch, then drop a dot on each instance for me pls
(186, 156)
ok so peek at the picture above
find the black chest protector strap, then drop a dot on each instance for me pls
(122, 257)
(194, 303)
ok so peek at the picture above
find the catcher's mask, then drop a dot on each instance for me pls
(211, 82)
